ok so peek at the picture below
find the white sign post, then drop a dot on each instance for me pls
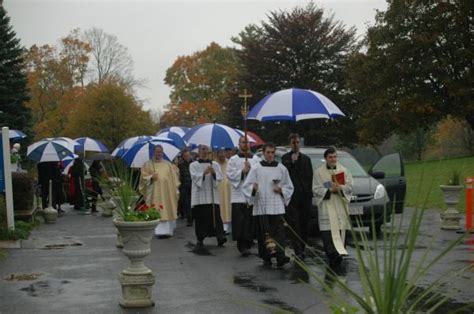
(8, 177)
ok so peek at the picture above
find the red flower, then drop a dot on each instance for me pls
(161, 206)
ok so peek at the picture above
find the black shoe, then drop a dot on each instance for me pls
(61, 211)
(267, 262)
(245, 253)
(199, 244)
(189, 224)
(221, 242)
(282, 261)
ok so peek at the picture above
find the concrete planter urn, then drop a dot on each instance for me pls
(108, 207)
(137, 280)
(451, 217)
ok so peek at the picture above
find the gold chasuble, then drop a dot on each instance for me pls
(163, 191)
(224, 195)
(333, 212)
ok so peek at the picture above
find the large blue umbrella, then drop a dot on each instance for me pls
(90, 145)
(15, 134)
(294, 104)
(49, 150)
(174, 137)
(214, 135)
(126, 144)
(180, 130)
(143, 151)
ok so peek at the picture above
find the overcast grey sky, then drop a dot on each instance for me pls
(157, 32)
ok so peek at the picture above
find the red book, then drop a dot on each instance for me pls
(340, 178)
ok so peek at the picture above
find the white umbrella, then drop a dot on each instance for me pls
(49, 150)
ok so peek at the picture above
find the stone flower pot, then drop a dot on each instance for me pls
(451, 217)
(137, 280)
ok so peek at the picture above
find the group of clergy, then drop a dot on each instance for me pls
(251, 197)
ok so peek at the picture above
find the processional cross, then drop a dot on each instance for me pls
(244, 112)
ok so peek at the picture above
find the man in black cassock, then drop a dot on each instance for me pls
(205, 176)
(242, 221)
(184, 203)
(298, 211)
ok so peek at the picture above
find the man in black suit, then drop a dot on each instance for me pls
(298, 211)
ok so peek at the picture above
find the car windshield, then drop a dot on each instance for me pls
(347, 161)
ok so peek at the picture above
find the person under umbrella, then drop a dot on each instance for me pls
(224, 192)
(96, 170)
(206, 175)
(184, 202)
(159, 185)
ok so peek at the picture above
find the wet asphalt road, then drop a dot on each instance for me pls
(73, 266)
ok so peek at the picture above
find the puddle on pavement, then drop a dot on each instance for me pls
(60, 246)
(281, 305)
(201, 251)
(450, 306)
(22, 277)
(46, 288)
(249, 282)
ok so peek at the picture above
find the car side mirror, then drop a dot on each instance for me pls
(377, 174)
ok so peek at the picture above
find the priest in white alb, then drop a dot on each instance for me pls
(159, 185)
(332, 188)
(205, 177)
(268, 188)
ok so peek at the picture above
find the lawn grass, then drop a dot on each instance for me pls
(425, 177)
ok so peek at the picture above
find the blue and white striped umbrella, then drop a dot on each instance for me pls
(180, 130)
(69, 161)
(214, 135)
(126, 144)
(15, 134)
(143, 151)
(175, 137)
(49, 150)
(90, 145)
(294, 104)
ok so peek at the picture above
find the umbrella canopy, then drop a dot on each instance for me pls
(15, 134)
(180, 130)
(174, 137)
(49, 150)
(214, 135)
(258, 140)
(126, 144)
(70, 142)
(90, 145)
(294, 104)
(143, 151)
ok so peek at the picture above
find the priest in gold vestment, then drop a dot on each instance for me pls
(224, 193)
(159, 185)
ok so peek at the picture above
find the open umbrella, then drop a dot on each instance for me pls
(125, 145)
(180, 130)
(143, 151)
(15, 134)
(69, 161)
(174, 137)
(49, 150)
(294, 104)
(258, 140)
(214, 135)
(90, 145)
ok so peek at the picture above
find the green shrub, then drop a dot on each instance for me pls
(22, 191)
(22, 231)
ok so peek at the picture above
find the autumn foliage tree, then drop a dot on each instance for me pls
(109, 113)
(199, 84)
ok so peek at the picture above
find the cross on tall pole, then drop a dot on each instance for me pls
(244, 111)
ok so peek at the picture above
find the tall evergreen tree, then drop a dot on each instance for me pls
(305, 49)
(13, 82)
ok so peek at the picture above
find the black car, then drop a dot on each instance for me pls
(382, 188)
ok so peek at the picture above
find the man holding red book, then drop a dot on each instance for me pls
(332, 187)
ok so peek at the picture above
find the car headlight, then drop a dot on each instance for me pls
(379, 192)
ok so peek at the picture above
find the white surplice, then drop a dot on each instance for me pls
(204, 187)
(236, 177)
(266, 201)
